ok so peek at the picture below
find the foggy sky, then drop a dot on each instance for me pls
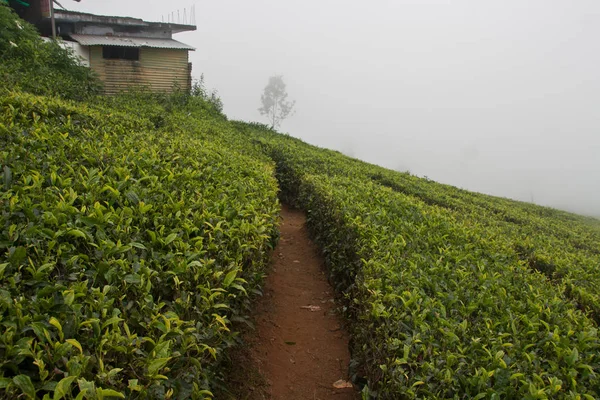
(500, 97)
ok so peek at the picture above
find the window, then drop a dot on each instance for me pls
(121, 53)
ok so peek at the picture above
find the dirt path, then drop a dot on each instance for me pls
(300, 352)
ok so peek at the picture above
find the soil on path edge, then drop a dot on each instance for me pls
(299, 348)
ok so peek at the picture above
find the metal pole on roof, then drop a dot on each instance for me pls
(52, 20)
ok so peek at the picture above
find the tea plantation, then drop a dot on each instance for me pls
(135, 230)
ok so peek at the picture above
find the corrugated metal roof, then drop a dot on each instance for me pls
(100, 40)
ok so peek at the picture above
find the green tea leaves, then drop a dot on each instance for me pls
(156, 365)
(169, 239)
(75, 344)
(23, 382)
(63, 387)
(229, 278)
(7, 175)
(441, 304)
(127, 250)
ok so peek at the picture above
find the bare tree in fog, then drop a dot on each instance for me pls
(274, 101)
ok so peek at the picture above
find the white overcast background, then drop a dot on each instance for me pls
(499, 97)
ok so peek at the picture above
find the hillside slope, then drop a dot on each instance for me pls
(135, 229)
(452, 294)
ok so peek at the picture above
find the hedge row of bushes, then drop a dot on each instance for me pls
(127, 252)
(440, 306)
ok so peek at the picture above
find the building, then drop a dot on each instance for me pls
(123, 51)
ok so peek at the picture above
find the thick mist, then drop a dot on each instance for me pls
(500, 97)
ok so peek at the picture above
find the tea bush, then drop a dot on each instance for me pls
(128, 251)
(441, 304)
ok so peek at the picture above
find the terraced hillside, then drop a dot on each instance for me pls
(135, 229)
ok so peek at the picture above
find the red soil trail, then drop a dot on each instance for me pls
(300, 351)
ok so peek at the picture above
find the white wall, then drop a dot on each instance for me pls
(81, 52)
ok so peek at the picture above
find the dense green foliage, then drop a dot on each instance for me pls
(445, 302)
(564, 247)
(128, 251)
(134, 228)
(131, 238)
(31, 64)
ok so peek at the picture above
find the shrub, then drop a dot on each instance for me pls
(127, 252)
(34, 65)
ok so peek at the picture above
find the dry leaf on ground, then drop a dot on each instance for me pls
(311, 308)
(342, 384)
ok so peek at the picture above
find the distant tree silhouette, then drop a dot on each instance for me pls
(274, 102)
